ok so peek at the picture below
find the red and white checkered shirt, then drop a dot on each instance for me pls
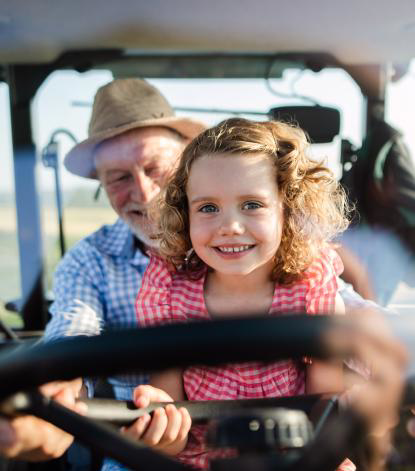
(167, 297)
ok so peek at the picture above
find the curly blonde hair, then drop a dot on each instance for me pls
(315, 205)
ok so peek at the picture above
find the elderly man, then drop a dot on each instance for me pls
(133, 145)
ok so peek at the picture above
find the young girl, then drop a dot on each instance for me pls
(245, 225)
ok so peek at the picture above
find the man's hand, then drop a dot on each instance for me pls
(28, 438)
(167, 429)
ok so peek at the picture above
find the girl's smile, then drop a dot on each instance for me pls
(235, 213)
(233, 251)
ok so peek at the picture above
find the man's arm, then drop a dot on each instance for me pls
(78, 306)
(77, 310)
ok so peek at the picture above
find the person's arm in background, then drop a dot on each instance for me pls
(326, 376)
(323, 297)
(378, 399)
(355, 273)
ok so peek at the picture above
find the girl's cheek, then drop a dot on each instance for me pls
(194, 232)
(199, 234)
(201, 225)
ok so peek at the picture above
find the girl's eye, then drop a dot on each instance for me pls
(251, 205)
(208, 208)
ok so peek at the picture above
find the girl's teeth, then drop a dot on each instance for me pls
(234, 249)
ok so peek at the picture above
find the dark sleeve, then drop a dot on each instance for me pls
(399, 171)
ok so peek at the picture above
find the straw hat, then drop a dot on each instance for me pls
(119, 106)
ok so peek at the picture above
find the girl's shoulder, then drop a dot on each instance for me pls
(316, 291)
(167, 296)
(322, 285)
(326, 265)
(160, 272)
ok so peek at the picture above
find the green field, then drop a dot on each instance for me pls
(78, 222)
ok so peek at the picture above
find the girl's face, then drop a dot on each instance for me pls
(235, 213)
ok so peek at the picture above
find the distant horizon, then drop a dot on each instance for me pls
(73, 195)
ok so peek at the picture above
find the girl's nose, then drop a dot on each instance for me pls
(231, 224)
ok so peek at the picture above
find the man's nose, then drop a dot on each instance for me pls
(231, 223)
(145, 189)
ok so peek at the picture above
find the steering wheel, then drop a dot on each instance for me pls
(27, 366)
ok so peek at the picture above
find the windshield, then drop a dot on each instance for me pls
(62, 109)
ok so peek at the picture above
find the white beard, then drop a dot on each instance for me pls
(143, 234)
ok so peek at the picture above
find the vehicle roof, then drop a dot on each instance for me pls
(353, 32)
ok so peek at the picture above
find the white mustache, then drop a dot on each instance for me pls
(135, 207)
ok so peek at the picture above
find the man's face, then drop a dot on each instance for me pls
(132, 168)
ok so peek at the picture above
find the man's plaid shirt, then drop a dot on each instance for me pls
(95, 286)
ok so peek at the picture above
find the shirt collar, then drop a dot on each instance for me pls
(118, 240)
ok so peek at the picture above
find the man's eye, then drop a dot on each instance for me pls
(153, 171)
(208, 208)
(119, 179)
(251, 205)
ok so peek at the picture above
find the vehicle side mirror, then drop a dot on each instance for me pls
(321, 123)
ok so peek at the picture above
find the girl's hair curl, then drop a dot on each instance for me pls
(315, 205)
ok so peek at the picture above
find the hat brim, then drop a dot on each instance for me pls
(80, 159)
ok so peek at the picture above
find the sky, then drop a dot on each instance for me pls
(54, 107)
